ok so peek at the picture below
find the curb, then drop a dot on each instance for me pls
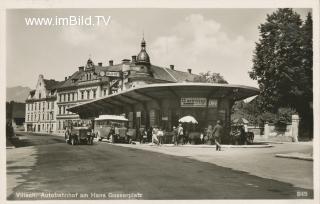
(213, 146)
(294, 157)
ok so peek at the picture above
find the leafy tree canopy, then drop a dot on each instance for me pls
(209, 77)
(282, 63)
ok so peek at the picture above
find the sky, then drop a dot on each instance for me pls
(216, 40)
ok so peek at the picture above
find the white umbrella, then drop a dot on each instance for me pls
(188, 119)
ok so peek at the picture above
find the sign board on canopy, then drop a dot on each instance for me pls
(193, 102)
(213, 103)
(113, 74)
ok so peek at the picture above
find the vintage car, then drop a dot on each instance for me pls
(79, 135)
(113, 128)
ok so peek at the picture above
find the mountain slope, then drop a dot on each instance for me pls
(17, 93)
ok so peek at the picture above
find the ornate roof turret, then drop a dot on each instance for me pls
(90, 64)
(143, 56)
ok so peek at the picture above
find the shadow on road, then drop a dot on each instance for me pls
(30, 139)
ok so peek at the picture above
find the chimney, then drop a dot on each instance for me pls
(172, 66)
(81, 69)
(125, 61)
(110, 62)
(189, 70)
(134, 58)
(65, 78)
(100, 64)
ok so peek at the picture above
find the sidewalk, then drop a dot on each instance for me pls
(9, 144)
(261, 162)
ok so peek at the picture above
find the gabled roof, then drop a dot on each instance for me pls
(159, 73)
(172, 75)
(51, 84)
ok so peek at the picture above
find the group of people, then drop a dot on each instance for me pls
(240, 135)
(214, 135)
(180, 136)
(155, 134)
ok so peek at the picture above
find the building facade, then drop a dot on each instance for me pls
(94, 81)
(41, 106)
(47, 106)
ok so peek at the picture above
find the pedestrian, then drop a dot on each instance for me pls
(217, 133)
(180, 133)
(160, 135)
(175, 136)
(201, 138)
(154, 136)
(209, 135)
(149, 134)
(144, 135)
(243, 139)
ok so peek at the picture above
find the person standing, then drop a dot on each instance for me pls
(180, 133)
(154, 136)
(209, 135)
(175, 136)
(217, 133)
(160, 136)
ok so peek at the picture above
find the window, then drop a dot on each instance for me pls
(71, 97)
(59, 110)
(82, 94)
(43, 116)
(88, 94)
(94, 93)
(67, 97)
(48, 105)
(52, 105)
(105, 92)
(43, 105)
(39, 106)
(39, 95)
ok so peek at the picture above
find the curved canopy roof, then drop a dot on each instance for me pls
(156, 92)
(112, 117)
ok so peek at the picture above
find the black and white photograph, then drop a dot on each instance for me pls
(126, 102)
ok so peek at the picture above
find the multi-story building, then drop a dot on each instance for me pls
(41, 106)
(94, 81)
(91, 82)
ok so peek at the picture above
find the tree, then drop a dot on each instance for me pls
(209, 77)
(282, 63)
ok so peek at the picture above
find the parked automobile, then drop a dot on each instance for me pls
(78, 135)
(113, 128)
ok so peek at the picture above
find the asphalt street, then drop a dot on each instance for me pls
(47, 164)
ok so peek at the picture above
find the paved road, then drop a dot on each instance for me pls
(103, 168)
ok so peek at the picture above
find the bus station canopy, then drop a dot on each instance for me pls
(156, 92)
